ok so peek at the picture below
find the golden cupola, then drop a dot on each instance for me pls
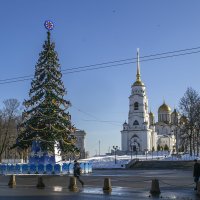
(164, 108)
(164, 113)
(151, 118)
(138, 81)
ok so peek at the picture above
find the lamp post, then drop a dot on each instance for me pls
(136, 153)
(176, 131)
(176, 140)
(146, 151)
(115, 149)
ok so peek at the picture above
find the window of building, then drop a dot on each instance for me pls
(136, 106)
(135, 123)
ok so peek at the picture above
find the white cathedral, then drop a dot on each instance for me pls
(141, 133)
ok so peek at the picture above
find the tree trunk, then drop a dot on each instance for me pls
(190, 140)
(197, 142)
(193, 143)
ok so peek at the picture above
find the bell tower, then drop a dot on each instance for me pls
(137, 136)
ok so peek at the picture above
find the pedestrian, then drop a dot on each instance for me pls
(77, 172)
(196, 173)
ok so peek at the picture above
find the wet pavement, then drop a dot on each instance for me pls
(126, 184)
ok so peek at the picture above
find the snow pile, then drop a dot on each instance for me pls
(108, 162)
(181, 157)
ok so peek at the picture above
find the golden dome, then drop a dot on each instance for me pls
(175, 112)
(138, 83)
(164, 108)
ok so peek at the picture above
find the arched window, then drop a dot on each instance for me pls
(136, 106)
(135, 123)
(134, 136)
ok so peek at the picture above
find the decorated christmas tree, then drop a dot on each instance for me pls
(46, 124)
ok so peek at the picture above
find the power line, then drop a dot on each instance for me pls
(92, 67)
(151, 55)
(110, 62)
(96, 119)
(120, 64)
(19, 77)
(105, 121)
(86, 113)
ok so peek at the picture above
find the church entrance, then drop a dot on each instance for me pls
(134, 144)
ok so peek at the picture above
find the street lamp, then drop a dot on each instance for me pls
(176, 130)
(136, 152)
(146, 151)
(115, 149)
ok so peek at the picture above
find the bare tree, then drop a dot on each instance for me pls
(9, 117)
(198, 128)
(189, 108)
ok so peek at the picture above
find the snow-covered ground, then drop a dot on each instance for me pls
(109, 161)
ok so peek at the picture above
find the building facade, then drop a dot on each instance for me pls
(141, 133)
(138, 135)
(80, 143)
(167, 128)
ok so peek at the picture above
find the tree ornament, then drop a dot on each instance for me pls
(49, 25)
(54, 101)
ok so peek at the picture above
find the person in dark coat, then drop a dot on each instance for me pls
(77, 172)
(196, 172)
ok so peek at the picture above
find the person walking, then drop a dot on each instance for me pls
(77, 172)
(196, 173)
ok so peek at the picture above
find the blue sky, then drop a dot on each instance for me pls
(89, 32)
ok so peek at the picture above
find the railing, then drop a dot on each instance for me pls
(49, 169)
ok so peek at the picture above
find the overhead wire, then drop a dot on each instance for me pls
(96, 119)
(109, 64)
(93, 67)
(122, 60)
(86, 113)
(120, 64)
(103, 121)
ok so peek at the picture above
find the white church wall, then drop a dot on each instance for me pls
(124, 140)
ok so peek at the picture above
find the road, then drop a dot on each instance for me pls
(126, 185)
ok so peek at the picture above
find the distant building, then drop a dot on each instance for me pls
(167, 127)
(138, 135)
(141, 133)
(80, 144)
